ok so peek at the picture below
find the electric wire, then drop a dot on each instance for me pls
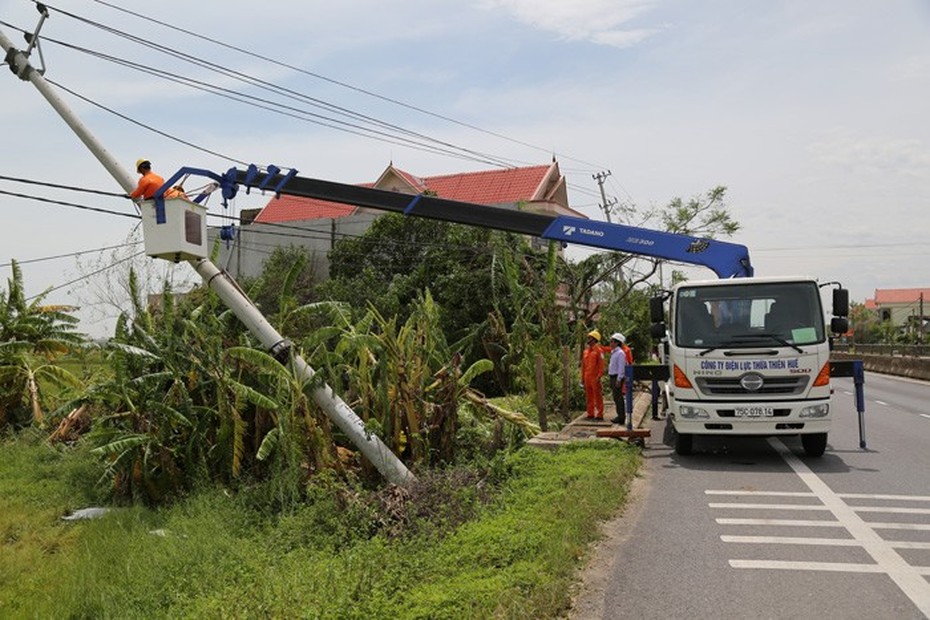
(317, 235)
(270, 106)
(144, 126)
(72, 205)
(280, 90)
(85, 276)
(58, 186)
(70, 254)
(266, 104)
(201, 36)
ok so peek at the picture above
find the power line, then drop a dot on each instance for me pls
(202, 37)
(72, 205)
(71, 254)
(144, 126)
(57, 186)
(265, 85)
(85, 276)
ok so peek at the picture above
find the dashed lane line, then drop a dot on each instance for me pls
(895, 498)
(924, 415)
(881, 402)
(782, 522)
(769, 506)
(828, 542)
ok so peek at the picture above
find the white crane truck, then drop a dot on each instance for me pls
(749, 356)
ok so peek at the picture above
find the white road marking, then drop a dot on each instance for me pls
(908, 578)
(769, 493)
(781, 522)
(841, 567)
(829, 542)
(769, 506)
(881, 402)
(900, 526)
(791, 540)
(906, 511)
(896, 498)
(924, 415)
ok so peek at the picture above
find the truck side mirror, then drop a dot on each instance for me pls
(657, 331)
(840, 302)
(839, 325)
(656, 309)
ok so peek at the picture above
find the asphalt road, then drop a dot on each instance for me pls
(751, 528)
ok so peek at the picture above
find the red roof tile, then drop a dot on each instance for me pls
(901, 295)
(490, 187)
(292, 208)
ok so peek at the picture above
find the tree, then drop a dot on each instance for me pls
(399, 257)
(33, 338)
(865, 324)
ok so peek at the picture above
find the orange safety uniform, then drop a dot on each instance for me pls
(148, 185)
(592, 369)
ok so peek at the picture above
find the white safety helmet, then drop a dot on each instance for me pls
(618, 337)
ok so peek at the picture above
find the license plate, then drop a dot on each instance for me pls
(754, 412)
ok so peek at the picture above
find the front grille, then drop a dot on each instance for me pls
(782, 386)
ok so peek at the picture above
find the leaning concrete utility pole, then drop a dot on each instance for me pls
(391, 467)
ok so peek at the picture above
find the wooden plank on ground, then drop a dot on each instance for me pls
(624, 432)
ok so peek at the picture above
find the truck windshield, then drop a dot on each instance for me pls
(748, 315)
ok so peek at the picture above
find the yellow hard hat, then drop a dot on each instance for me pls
(595, 334)
(140, 162)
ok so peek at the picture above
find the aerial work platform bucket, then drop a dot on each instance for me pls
(176, 230)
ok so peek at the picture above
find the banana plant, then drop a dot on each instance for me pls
(33, 339)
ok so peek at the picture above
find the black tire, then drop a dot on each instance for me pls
(683, 443)
(814, 444)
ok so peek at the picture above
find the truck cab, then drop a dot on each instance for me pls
(749, 356)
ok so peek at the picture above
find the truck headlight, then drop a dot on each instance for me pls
(692, 412)
(815, 411)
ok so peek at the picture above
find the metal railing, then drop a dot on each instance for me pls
(895, 350)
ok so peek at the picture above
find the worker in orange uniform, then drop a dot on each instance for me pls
(592, 369)
(148, 184)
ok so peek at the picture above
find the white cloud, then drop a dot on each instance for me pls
(874, 155)
(600, 21)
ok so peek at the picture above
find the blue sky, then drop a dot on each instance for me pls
(813, 114)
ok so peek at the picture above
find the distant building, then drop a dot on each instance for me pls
(906, 308)
(318, 224)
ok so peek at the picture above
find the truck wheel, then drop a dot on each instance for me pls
(683, 443)
(814, 444)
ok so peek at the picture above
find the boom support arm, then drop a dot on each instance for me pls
(725, 259)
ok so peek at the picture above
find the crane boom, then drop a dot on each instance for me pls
(725, 259)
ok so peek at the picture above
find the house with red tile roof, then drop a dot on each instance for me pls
(541, 189)
(902, 306)
(317, 225)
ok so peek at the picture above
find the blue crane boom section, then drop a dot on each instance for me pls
(727, 260)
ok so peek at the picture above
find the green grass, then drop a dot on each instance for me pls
(216, 555)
